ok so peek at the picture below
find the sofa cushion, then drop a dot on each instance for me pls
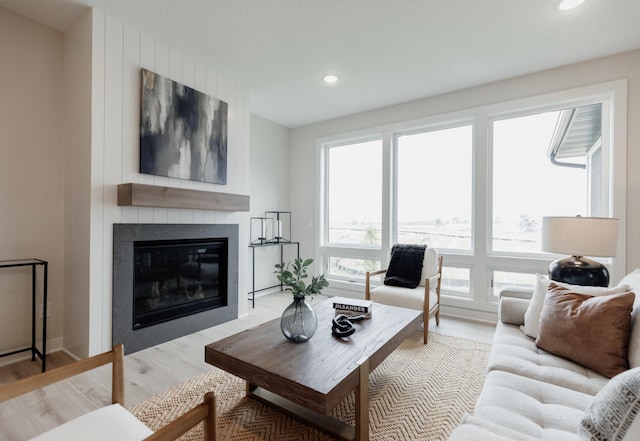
(532, 316)
(514, 352)
(479, 429)
(613, 414)
(590, 330)
(534, 408)
(110, 423)
(633, 281)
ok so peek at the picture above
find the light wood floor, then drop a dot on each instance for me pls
(150, 371)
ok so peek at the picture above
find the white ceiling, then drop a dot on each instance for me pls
(385, 51)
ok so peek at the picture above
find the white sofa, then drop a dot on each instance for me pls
(531, 394)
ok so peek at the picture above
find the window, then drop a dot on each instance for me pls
(456, 281)
(351, 269)
(509, 279)
(354, 203)
(434, 174)
(474, 184)
(552, 150)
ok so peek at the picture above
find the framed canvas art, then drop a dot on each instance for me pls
(183, 132)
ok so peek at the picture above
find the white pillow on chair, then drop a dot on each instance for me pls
(429, 264)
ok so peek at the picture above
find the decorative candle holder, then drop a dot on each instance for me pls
(281, 226)
(261, 228)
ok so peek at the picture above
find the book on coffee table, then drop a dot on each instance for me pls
(352, 307)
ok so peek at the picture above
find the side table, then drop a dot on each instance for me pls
(33, 263)
(253, 247)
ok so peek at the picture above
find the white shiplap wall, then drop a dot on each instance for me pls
(119, 52)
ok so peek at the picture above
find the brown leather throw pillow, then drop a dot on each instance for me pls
(590, 330)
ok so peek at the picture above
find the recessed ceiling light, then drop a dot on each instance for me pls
(565, 5)
(330, 79)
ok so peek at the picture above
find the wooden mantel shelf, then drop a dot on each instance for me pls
(142, 195)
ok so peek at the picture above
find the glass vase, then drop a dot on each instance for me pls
(298, 322)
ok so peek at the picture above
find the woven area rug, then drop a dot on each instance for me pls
(420, 392)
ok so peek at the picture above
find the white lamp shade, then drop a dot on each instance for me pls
(580, 236)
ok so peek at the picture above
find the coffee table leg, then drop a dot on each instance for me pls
(324, 423)
(362, 403)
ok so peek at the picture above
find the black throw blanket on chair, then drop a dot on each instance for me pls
(405, 267)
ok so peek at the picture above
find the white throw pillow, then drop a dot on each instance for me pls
(613, 413)
(633, 281)
(532, 316)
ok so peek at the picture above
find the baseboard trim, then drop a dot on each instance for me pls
(53, 345)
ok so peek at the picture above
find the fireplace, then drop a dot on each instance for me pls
(176, 278)
(171, 280)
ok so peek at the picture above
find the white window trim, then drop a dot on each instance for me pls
(614, 92)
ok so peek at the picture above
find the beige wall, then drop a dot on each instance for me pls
(31, 173)
(77, 194)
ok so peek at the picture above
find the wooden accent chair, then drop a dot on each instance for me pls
(112, 422)
(425, 298)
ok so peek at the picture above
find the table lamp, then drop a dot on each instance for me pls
(580, 236)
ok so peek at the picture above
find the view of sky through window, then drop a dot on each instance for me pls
(434, 186)
(527, 186)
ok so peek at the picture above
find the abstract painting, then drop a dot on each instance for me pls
(183, 132)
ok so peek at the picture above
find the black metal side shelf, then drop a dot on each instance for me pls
(33, 263)
(252, 294)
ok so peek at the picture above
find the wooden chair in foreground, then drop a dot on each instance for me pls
(112, 422)
(425, 298)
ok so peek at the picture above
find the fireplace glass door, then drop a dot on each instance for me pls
(177, 278)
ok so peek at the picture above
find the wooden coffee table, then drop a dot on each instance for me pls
(307, 380)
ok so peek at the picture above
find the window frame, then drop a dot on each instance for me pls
(481, 260)
(394, 185)
(604, 147)
(325, 207)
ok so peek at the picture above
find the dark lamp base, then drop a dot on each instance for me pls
(579, 271)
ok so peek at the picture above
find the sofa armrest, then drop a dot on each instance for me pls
(513, 304)
(516, 293)
(512, 310)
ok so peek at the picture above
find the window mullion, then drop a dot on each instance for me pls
(388, 201)
(481, 212)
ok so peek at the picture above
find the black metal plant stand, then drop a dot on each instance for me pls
(253, 247)
(272, 229)
(33, 263)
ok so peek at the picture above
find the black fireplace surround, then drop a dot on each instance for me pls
(170, 280)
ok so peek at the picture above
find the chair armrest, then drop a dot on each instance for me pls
(205, 411)
(434, 278)
(367, 282)
(376, 273)
(29, 384)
